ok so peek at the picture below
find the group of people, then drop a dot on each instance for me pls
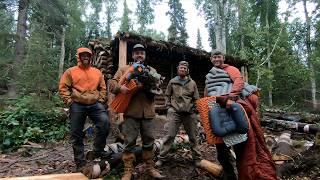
(83, 89)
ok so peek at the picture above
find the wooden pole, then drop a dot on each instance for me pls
(122, 53)
(122, 59)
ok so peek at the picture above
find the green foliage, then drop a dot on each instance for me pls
(93, 23)
(177, 30)
(111, 6)
(40, 71)
(199, 43)
(31, 118)
(154, 34)
(145, 14)
(126, 25)
(6, 41)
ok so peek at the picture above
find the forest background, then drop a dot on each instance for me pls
(39, 38)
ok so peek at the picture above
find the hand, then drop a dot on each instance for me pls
(124, 89)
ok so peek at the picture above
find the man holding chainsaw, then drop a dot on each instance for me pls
(138, 115)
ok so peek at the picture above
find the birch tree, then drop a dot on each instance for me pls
(215, 15)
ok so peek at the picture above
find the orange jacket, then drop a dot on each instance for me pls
(236, 77)
(81, 84)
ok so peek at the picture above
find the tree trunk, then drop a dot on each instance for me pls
(63, 51)
(219, 27)
(310, 64)
(20, 47)
(240, 12)
(269, 60)
(109, 35)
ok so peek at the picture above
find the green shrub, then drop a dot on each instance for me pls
(31, 118)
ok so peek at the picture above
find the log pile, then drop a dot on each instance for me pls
(295, 121)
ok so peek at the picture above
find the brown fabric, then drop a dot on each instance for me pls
(140, 106)
(256, 161)
(181, 96)
(236, 77)
(132, 127)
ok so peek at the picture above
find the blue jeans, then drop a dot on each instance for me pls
(78, 114)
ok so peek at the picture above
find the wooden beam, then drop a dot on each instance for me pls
(122, 53)
(69, 176)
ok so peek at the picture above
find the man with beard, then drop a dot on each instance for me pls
(181, 94)
(83, 89)
(138, 117)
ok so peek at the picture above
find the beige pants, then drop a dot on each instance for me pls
(176, 119)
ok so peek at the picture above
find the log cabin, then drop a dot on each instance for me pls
(163, 56)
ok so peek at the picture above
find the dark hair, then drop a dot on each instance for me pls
(216, 52)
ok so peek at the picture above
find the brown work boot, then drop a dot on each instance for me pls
(147, 158)
(128, 158)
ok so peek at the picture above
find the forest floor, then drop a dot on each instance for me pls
(57, 158)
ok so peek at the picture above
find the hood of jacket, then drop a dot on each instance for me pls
(82, 50)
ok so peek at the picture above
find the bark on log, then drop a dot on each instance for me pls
(296, 126)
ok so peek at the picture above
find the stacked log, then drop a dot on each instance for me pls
(102, 58)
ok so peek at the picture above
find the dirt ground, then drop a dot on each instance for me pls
(57, 157)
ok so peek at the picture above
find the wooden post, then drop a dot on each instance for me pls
(122, 53)
(122, 59)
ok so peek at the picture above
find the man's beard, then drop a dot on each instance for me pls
(139, 61)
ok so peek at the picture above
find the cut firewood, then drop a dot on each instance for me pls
(211, 167)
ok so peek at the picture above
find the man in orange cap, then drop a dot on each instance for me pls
(83, 89)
